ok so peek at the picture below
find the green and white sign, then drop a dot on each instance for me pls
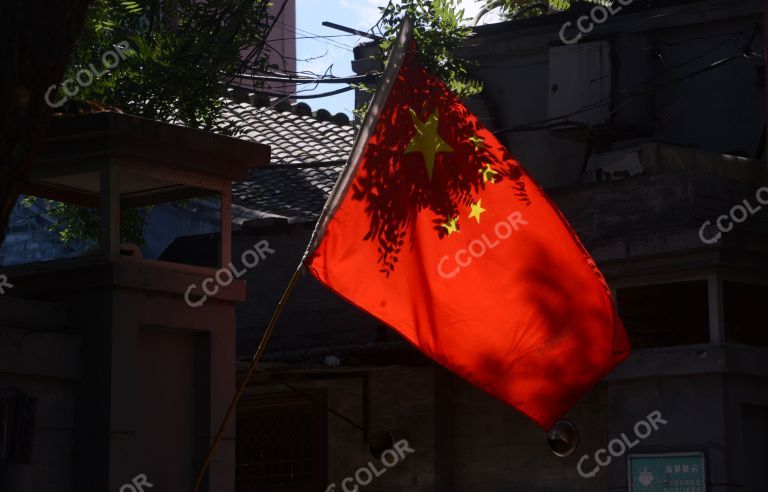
(671, 472)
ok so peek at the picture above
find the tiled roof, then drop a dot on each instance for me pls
(295, 140)
(307, 158)
(297, 193)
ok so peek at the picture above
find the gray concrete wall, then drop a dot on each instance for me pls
(406, 411)
(495, 448)
(41, 358)
(131, 380)
(719, 110)
(466, 440)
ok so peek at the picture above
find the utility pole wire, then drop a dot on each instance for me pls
(305, 80)
(257, 50)
(307, 96)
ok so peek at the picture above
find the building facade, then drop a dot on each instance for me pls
(645, 124)
(648, 132)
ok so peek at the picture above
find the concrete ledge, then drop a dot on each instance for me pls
(693, 360)
(72, 139)
(57, 278)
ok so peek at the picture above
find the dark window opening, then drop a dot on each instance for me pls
(17, 426)
(281, 443)
(665, 315)
(744, 313)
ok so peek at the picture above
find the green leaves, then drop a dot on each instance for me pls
(516, 8)
(71, 222)
(131, 7)
(182, 51)
(440, 28)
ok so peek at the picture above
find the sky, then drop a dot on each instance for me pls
(335, 54)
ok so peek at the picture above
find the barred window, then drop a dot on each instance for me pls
(281, 443)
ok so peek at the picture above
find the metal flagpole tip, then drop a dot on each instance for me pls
(379, 442)
(563, 438)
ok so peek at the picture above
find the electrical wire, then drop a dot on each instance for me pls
(381, 18)
(559, 121)
(631, 92)
(734, 37)
(624, 96)
(302, 80)
(280, 380)
(548, 123)
(316, 37)
(664, 72)
(296, 95)
(284, 58)
(330, 41)
(256, 51)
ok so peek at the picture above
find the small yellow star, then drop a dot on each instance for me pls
(477, 209)
(427, 140)
(477, 141)
(488, 174)
(452, 225)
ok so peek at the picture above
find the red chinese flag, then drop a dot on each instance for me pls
(438, 232)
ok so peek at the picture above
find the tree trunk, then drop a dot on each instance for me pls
(36, 40)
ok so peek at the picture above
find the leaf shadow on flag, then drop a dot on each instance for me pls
(541, 368)
(396, 187)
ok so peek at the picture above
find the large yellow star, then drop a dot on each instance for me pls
(452, 225)
(427, 140)
(477, 209)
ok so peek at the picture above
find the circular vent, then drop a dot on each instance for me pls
(563, 439)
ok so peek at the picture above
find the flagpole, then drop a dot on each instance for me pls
(387, 80)
(382, 93)
(251, 368)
